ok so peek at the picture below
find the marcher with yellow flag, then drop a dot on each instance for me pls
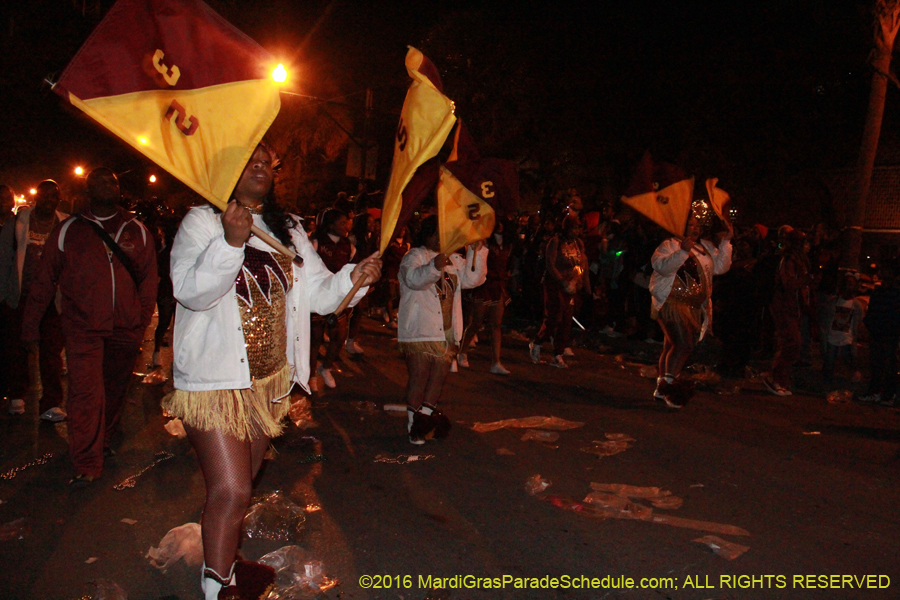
(430, 322)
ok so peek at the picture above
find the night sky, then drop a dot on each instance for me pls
(759, 94)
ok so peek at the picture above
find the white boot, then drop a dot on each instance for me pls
(211, 582)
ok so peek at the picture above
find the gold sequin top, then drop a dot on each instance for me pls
(261, 289)
(690, 286)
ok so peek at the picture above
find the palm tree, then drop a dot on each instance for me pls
(887, 23)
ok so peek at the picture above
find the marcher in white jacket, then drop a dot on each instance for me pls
(430, 323)
(241, 340)
(681, 286)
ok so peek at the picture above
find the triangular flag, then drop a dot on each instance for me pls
(179, 83)
(494, 180)
(425, 122)
(463, 217)
(719, 199)
(662, 193)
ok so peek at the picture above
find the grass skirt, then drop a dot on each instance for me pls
(246, 414)
(434, 351)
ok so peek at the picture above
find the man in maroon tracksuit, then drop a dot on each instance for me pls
(106, 307)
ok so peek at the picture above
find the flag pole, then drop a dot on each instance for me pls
(349, 297)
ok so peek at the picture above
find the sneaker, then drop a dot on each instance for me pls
(454, 367)
(776, 389)
(498, 369)
(462, 360)
(568, 352)
(870, 399)
(54, 415)
(352, 347)
(17, 406)
(326, 376)
(534, 350)
(558, 362)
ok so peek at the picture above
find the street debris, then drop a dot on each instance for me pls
(128, 521)
(300, 413)
(365, 406)
(14, 530)
(401, 459)
(176, 427)
(536, 484)
(812, 433)
(401, 408)
(297, 576)
(129, 482)
(155, 377)
(91, 560)
(505, 452)
(274, 517)
(648, 371)
(104, 589)
(539, 435)
(554, 423)
(16, 470)
(839, 397)
(721, 547)
(182, 542)
(614, 444)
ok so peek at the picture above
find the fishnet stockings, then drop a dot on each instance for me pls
(229, 466)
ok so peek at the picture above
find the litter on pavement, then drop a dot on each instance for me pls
(554, 423)
(274, 517)
(721, 547)
(182, 542)
(298, 576)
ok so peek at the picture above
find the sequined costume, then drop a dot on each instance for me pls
(242, 325)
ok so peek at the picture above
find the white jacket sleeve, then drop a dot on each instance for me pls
(204, 265)
(469, 278)
(669, 257)
(721, 257)
(417, 270)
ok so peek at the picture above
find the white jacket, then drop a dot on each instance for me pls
(420, 318)
(209, 337)
(669, 257)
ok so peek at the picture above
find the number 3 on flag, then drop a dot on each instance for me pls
(487, 189)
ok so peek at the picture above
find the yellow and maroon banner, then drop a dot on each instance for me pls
(425, 122)
(662, 193)
(463, 217)
(719, 199)
(179, 83)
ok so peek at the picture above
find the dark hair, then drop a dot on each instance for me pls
(278, 219)
(330, 216)
(361, 225)
(427, 228)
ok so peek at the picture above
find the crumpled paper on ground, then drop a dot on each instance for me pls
(721, 547)
(614, 444)
(300, 413)
(105, 589)
(659, 498)
(180, 542)
(554, 423)
(274, 517)
(298, 576)
(536, 484)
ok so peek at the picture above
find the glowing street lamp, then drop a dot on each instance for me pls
(153, 179)
(279, 74)
(32, 191)
(79, 171)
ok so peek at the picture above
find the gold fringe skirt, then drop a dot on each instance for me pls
(682, 322)
(435, 351)
(246, 414)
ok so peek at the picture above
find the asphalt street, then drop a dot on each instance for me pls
(809, 488)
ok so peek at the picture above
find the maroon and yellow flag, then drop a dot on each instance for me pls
(719, 199)
(180, 84)
(662, 193)
(425, 122)
(463, 217)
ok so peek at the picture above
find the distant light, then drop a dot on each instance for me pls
(143, 140)
(153, 179)
(79, 171)
(873, 266)
(32, 191)
(279, 74)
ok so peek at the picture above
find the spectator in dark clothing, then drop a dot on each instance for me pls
(883, 322)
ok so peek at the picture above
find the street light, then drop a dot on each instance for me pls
(32, 191)
(79, 171)
(153, 179)
(279, 74)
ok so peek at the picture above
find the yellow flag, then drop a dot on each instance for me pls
(181, 85)
(425, 122)
(668, 207)
(463, 217)
(719, 199)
